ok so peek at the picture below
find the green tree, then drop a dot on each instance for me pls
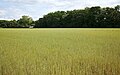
(117, 8)
(25, 21)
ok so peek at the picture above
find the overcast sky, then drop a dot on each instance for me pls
(14, 9)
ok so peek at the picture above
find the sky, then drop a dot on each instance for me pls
(14, 9)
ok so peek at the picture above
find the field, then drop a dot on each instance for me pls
(59, 51)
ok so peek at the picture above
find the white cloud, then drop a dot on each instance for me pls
(11, 13)
(2, 12)
(22, 1)
(65, 2)
(57, 3)
(38, 8)
(47, 2)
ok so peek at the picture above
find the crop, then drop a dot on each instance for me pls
(59, 51)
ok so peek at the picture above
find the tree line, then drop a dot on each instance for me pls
(23, 22)
(90, 17)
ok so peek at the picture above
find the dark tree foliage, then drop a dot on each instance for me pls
(23, 22)
(90, 17)
(9, 24)
(94, 17)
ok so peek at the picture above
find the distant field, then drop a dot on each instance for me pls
(60, 51)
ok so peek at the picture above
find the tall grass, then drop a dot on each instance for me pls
(59, 52)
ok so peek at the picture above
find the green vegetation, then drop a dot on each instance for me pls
(90, 17)
(59, 51)
(93, 17)
(23, 22)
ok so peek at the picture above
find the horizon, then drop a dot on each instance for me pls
(14, 9)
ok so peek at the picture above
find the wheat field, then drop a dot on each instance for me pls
(60, 51)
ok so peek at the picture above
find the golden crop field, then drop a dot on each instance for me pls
(60, 51)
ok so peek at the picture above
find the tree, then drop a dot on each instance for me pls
(89, 17)
(25, 21)
(117, 8)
